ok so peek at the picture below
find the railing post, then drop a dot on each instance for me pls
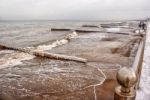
(127, 79)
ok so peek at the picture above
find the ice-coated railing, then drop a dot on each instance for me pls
(129, 77)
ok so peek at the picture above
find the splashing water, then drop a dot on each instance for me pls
(58, 42)
(16, 58)
(13, 59)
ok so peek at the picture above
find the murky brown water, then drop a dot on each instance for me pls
(26, 77)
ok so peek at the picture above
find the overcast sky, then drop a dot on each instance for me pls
(74, 9)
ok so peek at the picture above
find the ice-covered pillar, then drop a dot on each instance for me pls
(127, 79)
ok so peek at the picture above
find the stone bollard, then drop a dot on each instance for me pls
(127, 79)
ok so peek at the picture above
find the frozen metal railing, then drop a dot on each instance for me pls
(129, 77)
(137, 65)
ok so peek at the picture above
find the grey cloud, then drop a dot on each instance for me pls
(73, 9)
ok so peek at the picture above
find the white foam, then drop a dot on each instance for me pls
(14, 59)
(57, 42)
(113, 29)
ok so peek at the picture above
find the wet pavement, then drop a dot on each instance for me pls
(27, 77)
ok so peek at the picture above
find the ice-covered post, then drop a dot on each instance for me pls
(127, 79)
